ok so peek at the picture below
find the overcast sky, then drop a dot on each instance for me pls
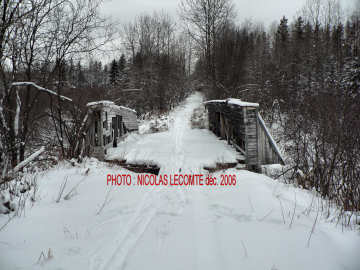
(265, 11)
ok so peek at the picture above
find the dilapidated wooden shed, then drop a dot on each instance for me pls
(242, 126)
(107, 124)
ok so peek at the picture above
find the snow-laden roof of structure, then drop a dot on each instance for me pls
(107, 103)
(234, 101)
(101, 102)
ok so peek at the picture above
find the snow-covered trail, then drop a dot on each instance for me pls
(179, 128)
(159, 207)
(178, 148)
(257, 224)
(218, 228)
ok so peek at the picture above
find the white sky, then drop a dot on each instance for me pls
(265, 11)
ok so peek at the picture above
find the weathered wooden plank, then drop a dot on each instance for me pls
(240, 125)
(102, 114)
(269, 153)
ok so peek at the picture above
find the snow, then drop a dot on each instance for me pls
(180, 147)
(23, 163)
(153, 123)
(238, 102)
(17, 115)
(41, 89)
(126, 108)
(108, 104)
(273, 170)
(101, 102)
(246, 226)
(234, 101)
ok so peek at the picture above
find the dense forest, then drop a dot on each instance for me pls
(305, 73)
(306, 76)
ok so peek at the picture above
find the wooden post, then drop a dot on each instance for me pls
(257, 138)
(246, 137)
(101, 129)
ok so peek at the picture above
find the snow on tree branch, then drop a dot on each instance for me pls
(28, 160)
(41, 89)
(17, 116)
(9, 177)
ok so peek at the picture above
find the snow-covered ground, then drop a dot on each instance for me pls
(179, 148)
(257, 224)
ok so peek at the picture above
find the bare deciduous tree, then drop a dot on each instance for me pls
(323, 12)
(37, 38)
(204, 20)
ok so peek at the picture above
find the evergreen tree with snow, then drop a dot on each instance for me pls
(282, 45)
(297, 56)
(282, 42)
(122, 63)
(81, 80)
(114, 73)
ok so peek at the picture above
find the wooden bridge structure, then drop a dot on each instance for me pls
(242, 126)
(107, 124)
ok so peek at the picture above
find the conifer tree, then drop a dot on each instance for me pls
(122, 63)
(114, 73)
(282, 42)
(81, 80)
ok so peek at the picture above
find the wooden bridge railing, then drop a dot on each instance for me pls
(269, 153)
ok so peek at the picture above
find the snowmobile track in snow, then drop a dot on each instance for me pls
(114, 255)
(123, 244)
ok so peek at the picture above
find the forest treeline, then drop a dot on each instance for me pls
(306, 76)
(51, 66)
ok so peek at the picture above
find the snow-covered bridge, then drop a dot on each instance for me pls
(259, 223)
(236, 121)
(241, 124)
